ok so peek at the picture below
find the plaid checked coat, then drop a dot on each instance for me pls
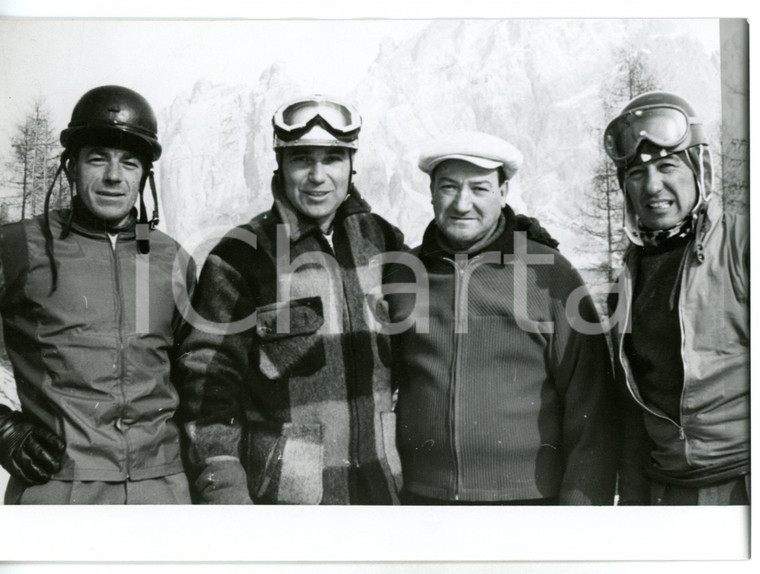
(301, 392)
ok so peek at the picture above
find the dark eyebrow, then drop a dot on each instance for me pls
(103, 150)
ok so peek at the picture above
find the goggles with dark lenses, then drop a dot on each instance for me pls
(664, 126)
(294, 120)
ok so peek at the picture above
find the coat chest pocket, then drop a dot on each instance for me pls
(297, 349)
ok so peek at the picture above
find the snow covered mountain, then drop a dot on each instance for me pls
(536, 83)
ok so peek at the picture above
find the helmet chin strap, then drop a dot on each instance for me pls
(143, 226)
(47, 232)
(72, 189)
(351, 172)
(699, 213)
(703, 191)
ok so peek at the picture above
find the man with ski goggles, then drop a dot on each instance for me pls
(297, 407)
(682, 351)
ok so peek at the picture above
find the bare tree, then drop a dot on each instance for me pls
(603, 219)
(36, 154)
(633, 76)
(603, 206)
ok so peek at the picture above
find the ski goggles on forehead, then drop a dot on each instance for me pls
(665, 126)
(294, 120)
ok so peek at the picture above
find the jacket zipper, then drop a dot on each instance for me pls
(623, 361)
(683, 339)
(120, 356)
(460, 302)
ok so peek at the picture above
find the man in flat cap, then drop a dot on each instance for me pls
(501, 400)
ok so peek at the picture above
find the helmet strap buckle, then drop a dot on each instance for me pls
(142, 235)
(145, 226)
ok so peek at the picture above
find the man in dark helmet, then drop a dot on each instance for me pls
(89, 319)
(289, 400)
(683, 347)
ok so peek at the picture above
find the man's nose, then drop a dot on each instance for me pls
(463, 201)
(317, 172)
(652, 181)
(114, 172)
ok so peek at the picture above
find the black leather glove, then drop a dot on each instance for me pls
(535, 231)
(28, 450)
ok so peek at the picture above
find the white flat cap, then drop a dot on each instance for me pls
(483, 150)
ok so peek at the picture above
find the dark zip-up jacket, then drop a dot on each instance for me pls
(92, 359)
(487, 410)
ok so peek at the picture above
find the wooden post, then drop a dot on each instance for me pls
(734, 79)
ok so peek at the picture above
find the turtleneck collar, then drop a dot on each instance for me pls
(85, 223)
(501, 239)
(478, 246)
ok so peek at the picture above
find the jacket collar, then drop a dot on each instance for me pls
(299, 226)
(84, 222)
(435, 245)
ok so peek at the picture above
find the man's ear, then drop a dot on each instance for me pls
(432, 189)
(503, 189)
(70, 165)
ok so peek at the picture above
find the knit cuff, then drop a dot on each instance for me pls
(214, 440)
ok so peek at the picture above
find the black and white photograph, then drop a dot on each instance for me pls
(375, 290)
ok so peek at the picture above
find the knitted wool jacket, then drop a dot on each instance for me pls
(305, 404)
(487, 409)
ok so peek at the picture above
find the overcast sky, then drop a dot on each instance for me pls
(60, 60)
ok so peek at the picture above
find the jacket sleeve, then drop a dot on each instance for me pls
(583, 375)
(394, 242)
(188, 284)
(211, 365)
(633, 484)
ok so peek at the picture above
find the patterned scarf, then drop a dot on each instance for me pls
(656, 237)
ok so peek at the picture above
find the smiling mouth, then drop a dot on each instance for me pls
(316, 193)
(660, 205)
